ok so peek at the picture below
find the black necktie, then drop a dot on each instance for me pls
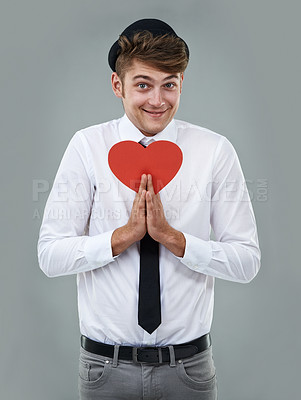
(149, 303)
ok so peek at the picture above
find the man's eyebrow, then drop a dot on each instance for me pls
(148, 78)
(171, 77)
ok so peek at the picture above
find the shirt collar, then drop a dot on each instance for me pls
(128, 131)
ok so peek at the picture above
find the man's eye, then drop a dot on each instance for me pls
(170, 85)
(142, 85)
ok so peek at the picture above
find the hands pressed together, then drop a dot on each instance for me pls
(147, 215)
(147, 212)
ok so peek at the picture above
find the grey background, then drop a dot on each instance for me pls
(243, 82)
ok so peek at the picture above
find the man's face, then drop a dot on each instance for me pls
(150, 97)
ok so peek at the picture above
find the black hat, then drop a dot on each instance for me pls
(155, 26)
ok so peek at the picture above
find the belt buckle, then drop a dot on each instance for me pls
(140, 350)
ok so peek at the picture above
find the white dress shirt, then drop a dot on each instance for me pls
(87, 203)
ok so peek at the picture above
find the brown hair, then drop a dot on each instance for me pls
(167, 53)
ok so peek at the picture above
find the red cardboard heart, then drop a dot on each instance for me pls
(128, 160)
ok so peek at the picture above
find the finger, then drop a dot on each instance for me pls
(148, 197)
(142, 204)
(149, 203)
(142, 187)
(143, 183)
(136, 199)
(150, 186)
(154, 205)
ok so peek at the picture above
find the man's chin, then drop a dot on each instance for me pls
(152, 130)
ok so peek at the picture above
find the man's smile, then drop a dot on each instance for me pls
(155, 113)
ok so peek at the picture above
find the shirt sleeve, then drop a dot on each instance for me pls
(63, 246)
(235, 254)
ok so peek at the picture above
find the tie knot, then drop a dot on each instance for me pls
(146, 141)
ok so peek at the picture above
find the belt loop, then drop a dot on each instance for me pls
(172, 356)
(135, 354)
(115, 357)
(160, 355)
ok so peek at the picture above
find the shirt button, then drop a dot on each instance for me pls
(180, 361)
(107, 361)
(190, 264)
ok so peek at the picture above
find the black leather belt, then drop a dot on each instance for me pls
(148, 354)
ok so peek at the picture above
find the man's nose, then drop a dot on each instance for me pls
(156, 99)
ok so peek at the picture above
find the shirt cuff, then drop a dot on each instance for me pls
(98, 249)
(198, 253)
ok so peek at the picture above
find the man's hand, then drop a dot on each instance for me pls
(147, 215)
(137, 221)
(135, 229)
(157, 225)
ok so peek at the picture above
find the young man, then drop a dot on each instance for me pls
(144, 260)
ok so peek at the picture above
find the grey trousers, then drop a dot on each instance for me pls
(106, 378)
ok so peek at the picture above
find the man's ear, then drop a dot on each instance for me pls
(181, 81)
(116, 85)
